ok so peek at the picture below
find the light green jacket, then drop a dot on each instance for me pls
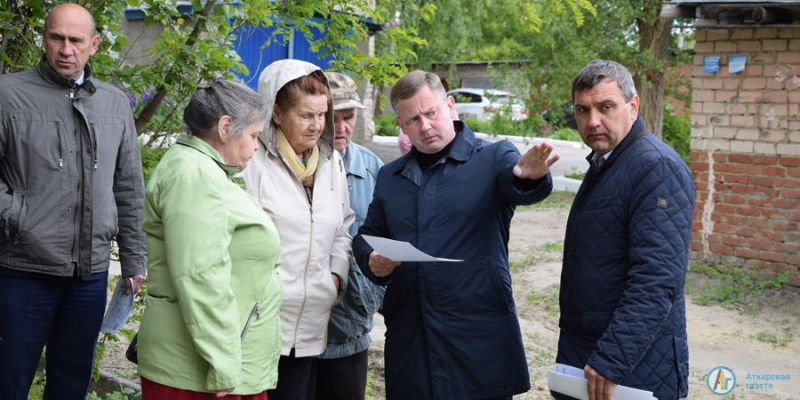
(211, 320)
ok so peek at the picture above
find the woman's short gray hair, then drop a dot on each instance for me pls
(219, 98)
(599, 70)
(412, 82)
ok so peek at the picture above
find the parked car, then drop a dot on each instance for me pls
(483, 104)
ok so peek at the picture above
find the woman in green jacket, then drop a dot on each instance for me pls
(211, 325)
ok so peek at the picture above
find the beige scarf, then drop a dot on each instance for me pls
(303, 172)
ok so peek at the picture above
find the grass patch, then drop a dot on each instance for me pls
(779, 339)
(553, 247)
(518, 265)
(556, 201)
(575, 175)
(567, 134)
(734, 287)
(545, 299)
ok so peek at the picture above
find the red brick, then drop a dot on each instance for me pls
(757, 222)
(731, 84)
(754, 83)
(771, 212)
(793, 260)
(794, 97)
(740, 158)
(718, 157)
(717, 34)
(784, 226)
(791, 57)
(787, 33)
(749, 45)
(775, 45)
(744, 179)
(765, 33)
(765, 160)
(786, 247)
(713, 83)
(743, 189)
(725, 47)
(766, 191)
(753, 70)
(750, 97)
(787, 183)
(700, 187)
(772, 84)
(723, 249)
(703, 95)
(776, 96)
(747, 231)
(699, 166)
(789, 161)
(794, 44)
(741, 34)
(747, 169)
(723, 228)
(713, 108)
(760, 202)
(724, 209)
(793, 172)
(721, 96)
(771, 256)
(696, 245)
(758, 244)
(744, 121)
(773, 171)
(790, 194)
(727, 167)
(735, 199)
(786, 204)
(745, 252)
(749, 211)
(773, 236)
(763, 58)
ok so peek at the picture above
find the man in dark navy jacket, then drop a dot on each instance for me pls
(452, 328)
(623, 317)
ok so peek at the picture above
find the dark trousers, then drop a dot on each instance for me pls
(65, 314)
(294, 378)
(339, 378)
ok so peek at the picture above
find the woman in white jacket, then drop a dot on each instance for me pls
(299, 179)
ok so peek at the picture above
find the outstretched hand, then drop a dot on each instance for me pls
(535, 163)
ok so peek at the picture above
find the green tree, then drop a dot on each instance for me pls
(557, 38)
(193, 48)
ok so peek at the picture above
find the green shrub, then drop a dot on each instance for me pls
(676, 132)
(385, 126)
(567, 134)
(150, 158)
(478, 126)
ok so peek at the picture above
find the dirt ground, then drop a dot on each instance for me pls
(760, 342)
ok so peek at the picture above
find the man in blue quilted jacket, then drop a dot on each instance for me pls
(623, 316)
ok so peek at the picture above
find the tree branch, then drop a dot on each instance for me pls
(161, 93)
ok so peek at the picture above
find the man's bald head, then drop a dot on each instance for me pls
(69, 39)
(78, 10)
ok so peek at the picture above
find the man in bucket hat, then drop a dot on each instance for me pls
(342, 370)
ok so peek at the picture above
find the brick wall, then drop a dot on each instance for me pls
(746, 150)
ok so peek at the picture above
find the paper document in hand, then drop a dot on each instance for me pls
(571, 381)
(400, 251)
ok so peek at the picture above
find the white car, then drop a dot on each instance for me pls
(483, 104)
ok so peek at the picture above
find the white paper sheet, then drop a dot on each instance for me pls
(401, 251)
(571, 381)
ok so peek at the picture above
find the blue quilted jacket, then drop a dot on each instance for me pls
(625, 257)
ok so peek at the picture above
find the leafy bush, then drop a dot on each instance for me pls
(385, 126)
(567, 134)
(676, 133)
(150, 158)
